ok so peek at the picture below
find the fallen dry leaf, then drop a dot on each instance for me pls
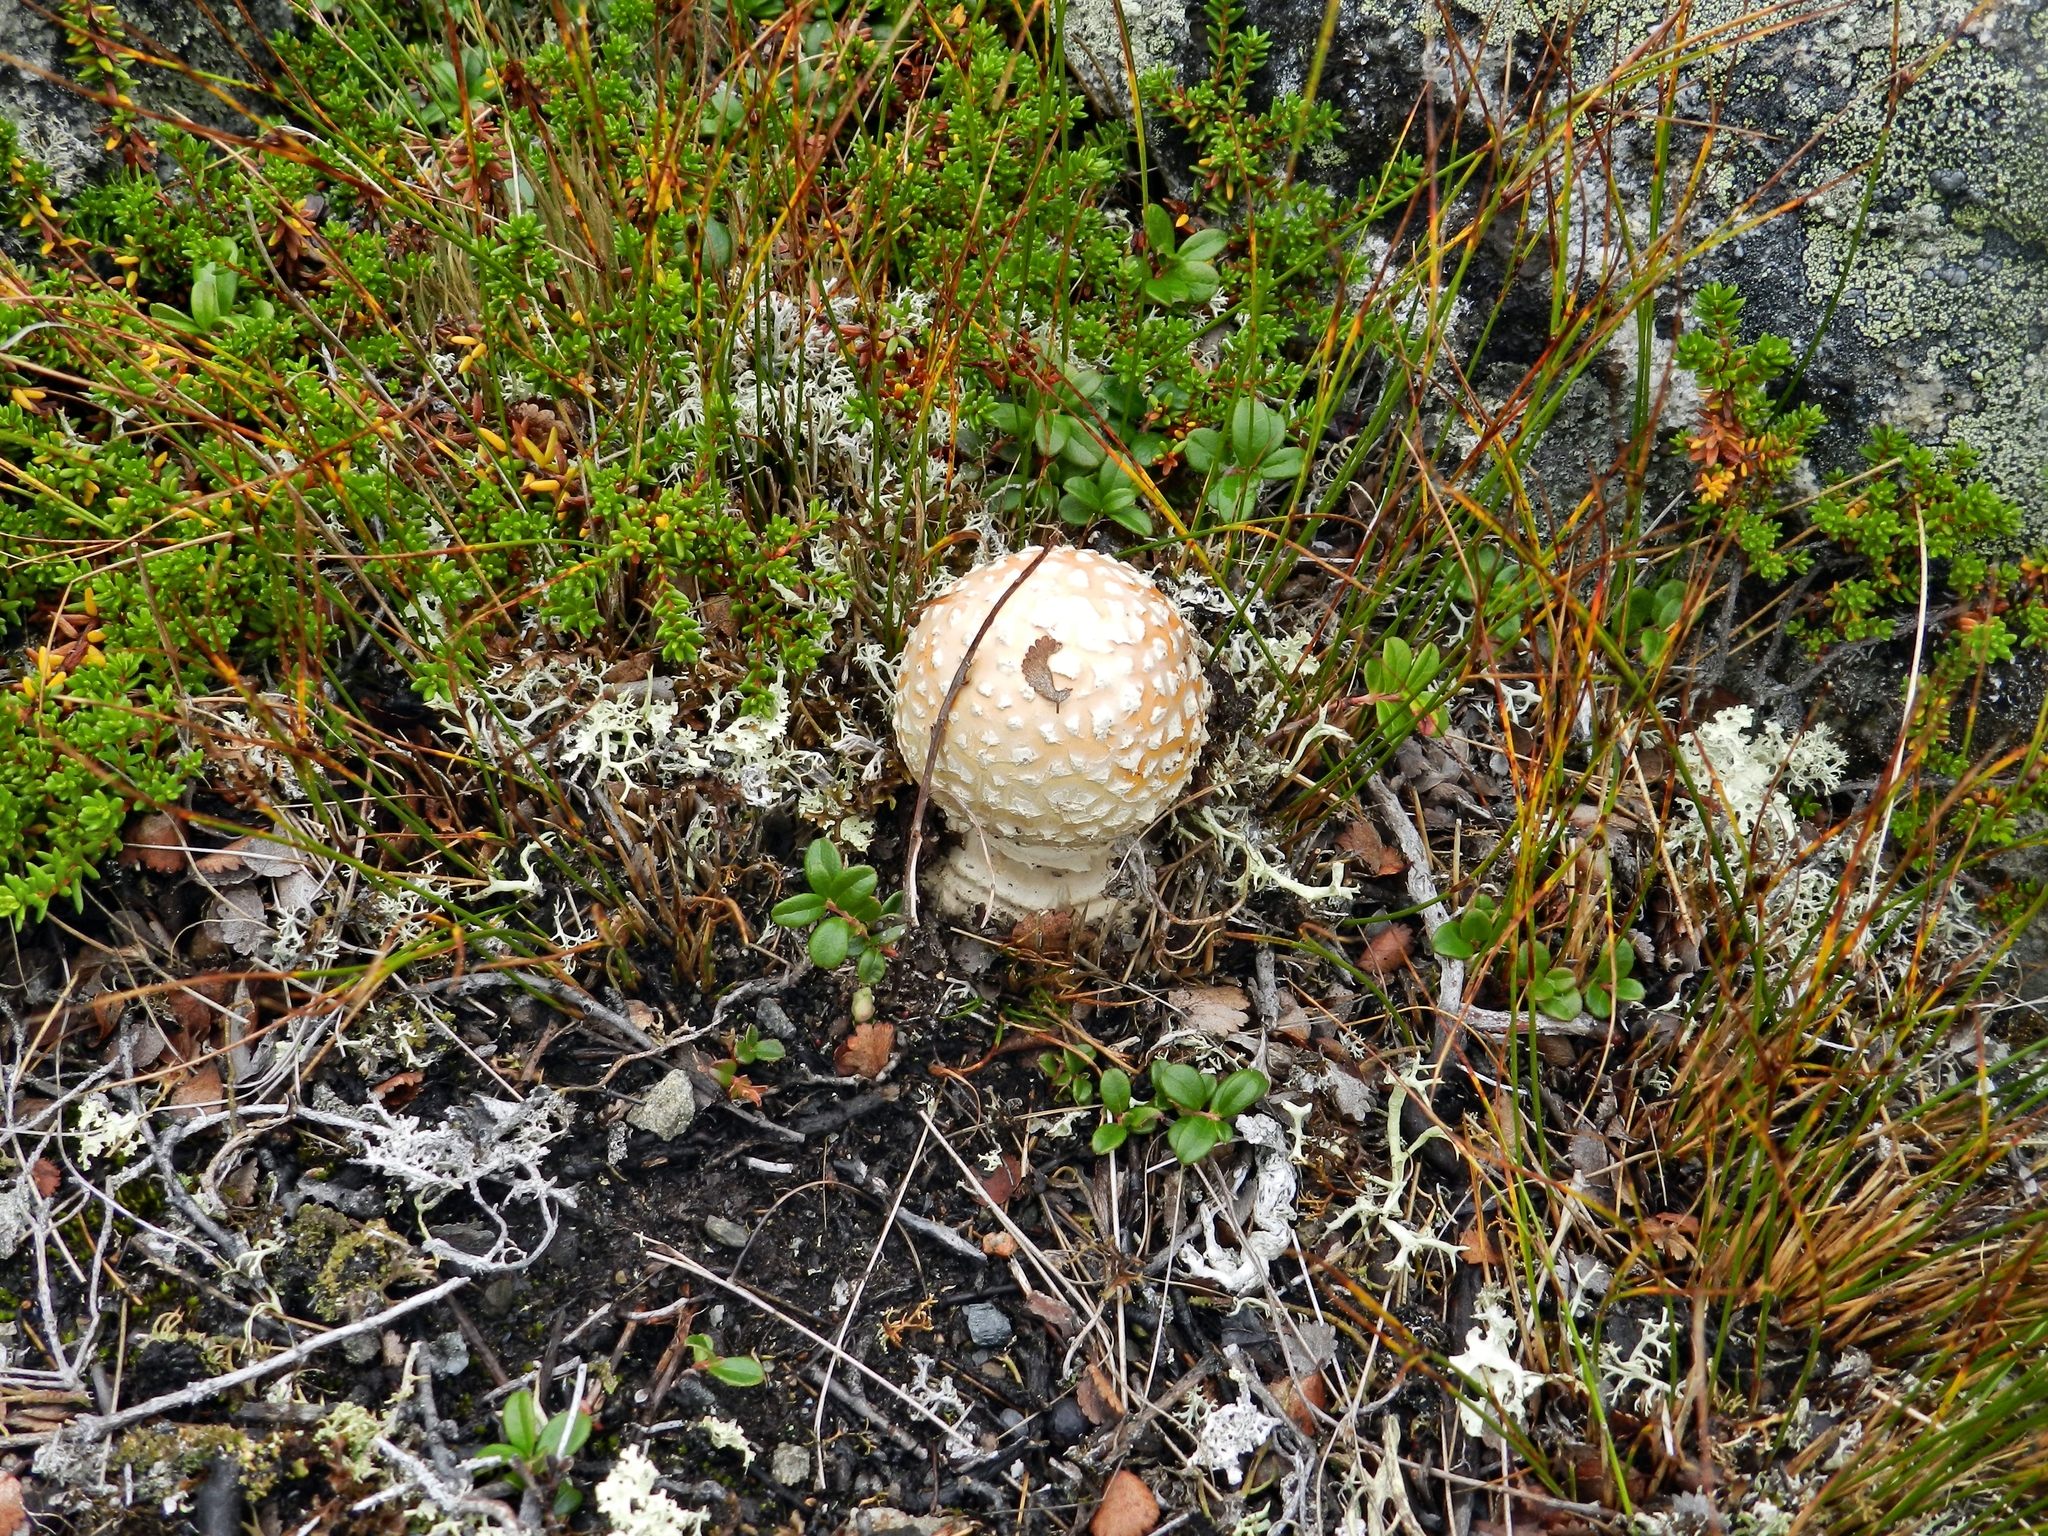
(1361, 841)
(1301, 1398)
(631, 670)
(1045, 933)
(865, 1052)
(1386, 950)
(1212, 1010)
(396, 1091)
(13, 1517)
(1477, 1247)
(199, 1093)
(1037, 670)
(191, 1004)
(1051, 1310)
(155, 842)
(1127, 1508)
(1097, 1397)
(1672, 1233)
(1002, 1183)
(47, 1177)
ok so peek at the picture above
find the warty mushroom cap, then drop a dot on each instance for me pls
(1085, 707)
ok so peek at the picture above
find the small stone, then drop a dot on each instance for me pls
(987, 1325)
(667, 1109)
(498, 1295)
(447, 1354)
(789, 1465)
(1353, 1100)
(361, 1349)
(770, 1019)
(728, 1233)
(1069, 1423)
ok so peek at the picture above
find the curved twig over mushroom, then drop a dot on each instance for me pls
(1056, 702)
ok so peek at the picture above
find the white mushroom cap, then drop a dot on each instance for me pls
(1084, 713)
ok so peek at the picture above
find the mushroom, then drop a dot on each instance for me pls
(1080, 720)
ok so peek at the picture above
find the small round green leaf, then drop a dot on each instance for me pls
(1108, 1137)
(737, 1371)
(821, 865)
(1193, 1137)
(853, 883)
(522, 1422)
(1182, 1085)
(565, 1434)
(829, 943)
(1116, 1090)
(1448, 942)
(799, 911)
(1238, 1093)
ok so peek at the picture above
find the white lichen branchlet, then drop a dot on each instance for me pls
(629, 1500)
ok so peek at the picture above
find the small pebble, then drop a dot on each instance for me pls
(986, 1324)
(730, 1233)
(770, 1019)
(790, 1465)
(1068, 1422)
(667, 1108)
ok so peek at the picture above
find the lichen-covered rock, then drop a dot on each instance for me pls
(1941, 324)
(57, 124)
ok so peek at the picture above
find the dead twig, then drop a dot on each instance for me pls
(689, 1265)
(92, 1427)
(853, 1302)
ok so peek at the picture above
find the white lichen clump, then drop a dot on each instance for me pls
(628, 1498)
(1744, 779)
(1500, 1382)
(1741, 824)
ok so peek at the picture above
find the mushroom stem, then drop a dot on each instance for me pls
(1013, 880)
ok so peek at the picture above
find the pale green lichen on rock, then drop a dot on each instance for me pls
(1094, 43)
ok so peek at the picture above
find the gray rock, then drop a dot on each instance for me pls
(729, 1233)
(790, 1465)
(1944, 308)
(446, 1354)
(667, 1108)
(1353, 1100)
(61, 128)
(770, 1019)
(986, 1324)
(499, 1296)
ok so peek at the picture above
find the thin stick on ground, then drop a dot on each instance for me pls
(853, 1304)
(92, 1427)
(689, 1265)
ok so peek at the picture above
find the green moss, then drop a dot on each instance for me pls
(162, 1456)
(353, 1266)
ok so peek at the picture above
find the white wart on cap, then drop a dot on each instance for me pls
(1083, 715)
